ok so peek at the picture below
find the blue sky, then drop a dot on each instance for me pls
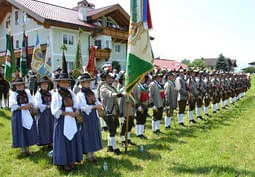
(197, 28)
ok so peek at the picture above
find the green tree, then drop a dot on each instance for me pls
(198, 63)
(249, 70)
(186, 61)
(116, 65)
(221, 63)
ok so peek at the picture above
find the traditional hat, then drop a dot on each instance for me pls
(18, 81)
(58, 69)
(63, 77)
(85, 77)
(44, 79)
(170, 73)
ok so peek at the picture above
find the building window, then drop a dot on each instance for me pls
(107, 44)
(25, 18)
(17, 44)
(69, 66)
(68, 39)
(16, 17)
(98, 43)
(117, 48)
(8, 22)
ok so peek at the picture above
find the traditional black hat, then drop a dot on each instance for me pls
(85, 77)
(44, 79)
(63, 77)
(18, 81)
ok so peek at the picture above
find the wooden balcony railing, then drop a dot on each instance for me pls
(103, 54)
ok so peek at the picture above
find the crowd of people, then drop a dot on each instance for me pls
(68, 115)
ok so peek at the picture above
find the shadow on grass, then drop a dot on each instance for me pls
(3, 114)
(213, 170)
(145, 155)
(96, 169)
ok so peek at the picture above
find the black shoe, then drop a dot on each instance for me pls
(110, 149)
(208, 115)
(214, 112)
(192, 121)
(181, 124)
(158, 131)
(117, 151)
(168, 127)
(131, 143)
(104, 129)
(223, 108)
(155, 132)
(139, 136)
(200, 118)
(144, 137)
(218, 109)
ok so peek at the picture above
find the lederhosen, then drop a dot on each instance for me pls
(130, 118)
(112, 121)
(199, 101)
(208, 93)
(158, 114)
(170, 111)
(182, 103)
(191, 99)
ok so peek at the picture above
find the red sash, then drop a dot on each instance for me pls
(162, 94)
(144, 96)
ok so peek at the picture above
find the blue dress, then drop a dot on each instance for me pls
(64, 151)
(45, 125)
(91, 134)
(21, 137)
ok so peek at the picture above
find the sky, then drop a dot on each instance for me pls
(190, 29)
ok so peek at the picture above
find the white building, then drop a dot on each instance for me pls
(106, 27)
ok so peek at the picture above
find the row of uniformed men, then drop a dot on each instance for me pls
(165, 91)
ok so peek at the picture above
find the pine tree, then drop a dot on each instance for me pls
(221, 63)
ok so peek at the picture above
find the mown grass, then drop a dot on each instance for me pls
(221, 146)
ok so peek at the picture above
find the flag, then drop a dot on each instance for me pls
(23, 59)
(91, 66)
(78, 58)
(64, 64)
(10, 63)
(139, 57)
(37, 58)
(47, 60)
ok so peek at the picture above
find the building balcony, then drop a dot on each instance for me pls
(117, 35)
(103, 54)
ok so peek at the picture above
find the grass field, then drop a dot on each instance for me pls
(221, 146)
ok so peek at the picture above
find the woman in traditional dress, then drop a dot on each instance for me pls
(44, 119)
(23, 124)
(88, 104)
(67, 147)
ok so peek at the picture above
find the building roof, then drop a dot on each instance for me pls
(50, 14)
(211, 62)
(252, 63)
(171, 65)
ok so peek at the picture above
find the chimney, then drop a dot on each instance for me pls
(82, 11)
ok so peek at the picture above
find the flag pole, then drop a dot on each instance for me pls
(127, 120)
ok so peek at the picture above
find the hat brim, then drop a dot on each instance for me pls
(18, 83)
(62, 79)
(83, 80)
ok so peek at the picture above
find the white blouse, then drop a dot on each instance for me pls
(82, 103)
